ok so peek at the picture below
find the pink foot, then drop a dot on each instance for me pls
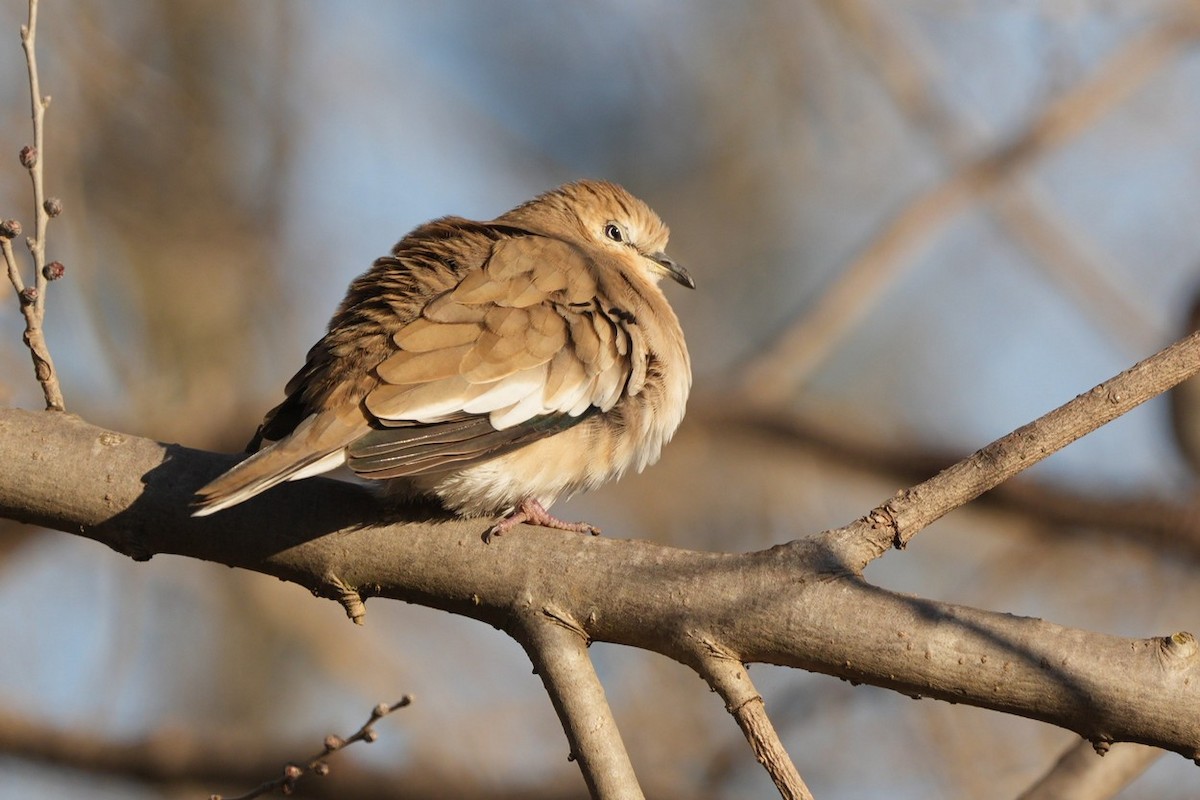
(531, 512)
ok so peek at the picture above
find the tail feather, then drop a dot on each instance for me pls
(306, 452)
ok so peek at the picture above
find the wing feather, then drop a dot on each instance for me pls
(518, 350)
(423, 336)
(431, 365)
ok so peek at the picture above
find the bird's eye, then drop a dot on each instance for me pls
(613, 231)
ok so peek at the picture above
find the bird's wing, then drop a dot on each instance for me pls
(519, 350)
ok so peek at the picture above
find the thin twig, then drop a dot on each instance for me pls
(910, 511)
(10, 259)
(317, 764)
(169, 760)
(32, 299)
(38, 104)
(1155, 521)
(557, 646)
(728, 677)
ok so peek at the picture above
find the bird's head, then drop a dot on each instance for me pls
(603, 215)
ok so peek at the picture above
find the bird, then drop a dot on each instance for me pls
(494, 367)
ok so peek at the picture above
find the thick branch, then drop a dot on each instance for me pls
(796, 605)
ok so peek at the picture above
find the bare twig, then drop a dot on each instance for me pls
(317, 764)
(177, 760)
(1153, 520)
(1185, 403)
(1081, 774)
(557, 646)
(34, 160)
(728, 677)
(910, 511)
(32, 299)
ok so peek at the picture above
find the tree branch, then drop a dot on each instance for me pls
(799, 604)
(32, 299)
(911, 510)
(728, 677)
(174, 758)
(36, 159)
(317, 764)
(1155, 521)
(557, 646)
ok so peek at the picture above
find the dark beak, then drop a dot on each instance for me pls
(677, 273)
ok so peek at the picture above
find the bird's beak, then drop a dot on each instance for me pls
(672, 270)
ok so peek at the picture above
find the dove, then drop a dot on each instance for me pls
(495, 367)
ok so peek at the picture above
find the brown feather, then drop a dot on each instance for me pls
(490, 363)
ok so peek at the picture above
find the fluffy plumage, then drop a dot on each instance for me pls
(493, 365)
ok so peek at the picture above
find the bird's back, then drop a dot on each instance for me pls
(490, 364)
(339, 369)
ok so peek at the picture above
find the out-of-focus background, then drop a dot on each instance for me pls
(914, 226)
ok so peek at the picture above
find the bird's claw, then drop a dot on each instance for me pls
(532, 512)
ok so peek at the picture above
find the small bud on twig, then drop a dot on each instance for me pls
(29, 295)
(54, 270)
(29, 156)
(10, 228)
(53, 206)
(292, 773)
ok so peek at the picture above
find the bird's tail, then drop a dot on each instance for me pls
(309, 450)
